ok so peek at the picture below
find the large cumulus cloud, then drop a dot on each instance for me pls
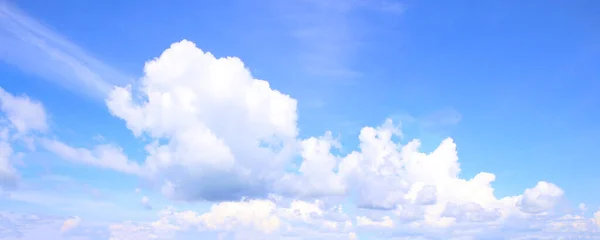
(218, 133)
(384, 174)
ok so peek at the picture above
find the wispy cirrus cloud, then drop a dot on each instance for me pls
(330, 33)
(35, 48)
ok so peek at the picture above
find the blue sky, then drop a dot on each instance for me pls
(124, 115)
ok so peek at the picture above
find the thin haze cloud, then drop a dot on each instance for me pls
(329, 33)
(31, 46)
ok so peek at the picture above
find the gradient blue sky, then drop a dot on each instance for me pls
(515, 84)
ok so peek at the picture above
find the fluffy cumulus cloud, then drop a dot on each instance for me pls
(315, 175)
(210, 119)
(216, 133)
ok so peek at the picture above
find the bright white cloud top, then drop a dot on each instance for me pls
(215, 133)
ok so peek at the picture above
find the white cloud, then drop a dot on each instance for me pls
(249, 219)
(255, 214)
(29, 45)
(541, 198)
(424, 188)
(70, 224)
(23, 113)
(427, 195)
(386, 222)
(316, 176)
(571, 223)
(20, 118)
(218, 122)
(269, 219)
(8, 174)
(105, 156)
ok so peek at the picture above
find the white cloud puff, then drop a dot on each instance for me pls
(70, 224)
(316, 176)
(210, 119)
(24, 114)
(540, 198)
